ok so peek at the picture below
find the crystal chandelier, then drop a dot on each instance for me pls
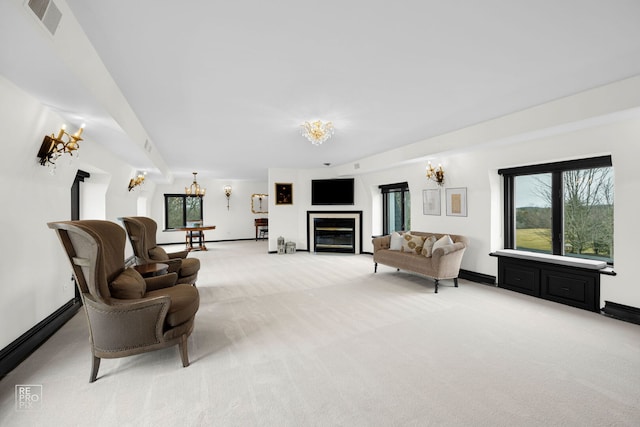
(194, 189)
(317, 132)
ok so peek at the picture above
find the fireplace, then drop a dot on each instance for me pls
(334, 231)
(334, 235)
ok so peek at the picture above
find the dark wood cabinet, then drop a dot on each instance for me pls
(572, 286)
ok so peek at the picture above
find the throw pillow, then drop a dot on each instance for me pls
(412, 244)
(427, 249)
(396, 241)
(443, 241)
(128, 285)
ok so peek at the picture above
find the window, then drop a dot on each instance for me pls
(396, 207)
(180, 208)
(563, 208)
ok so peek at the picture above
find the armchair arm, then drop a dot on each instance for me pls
(174, 264)
(160, 282)
(181, 254)
(123, 327)
(382, 242)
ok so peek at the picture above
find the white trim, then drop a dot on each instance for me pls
(554, 259)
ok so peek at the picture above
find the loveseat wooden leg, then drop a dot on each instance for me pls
(437, 286)
(455, 281)
(375, 267)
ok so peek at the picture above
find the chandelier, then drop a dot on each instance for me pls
(317, 132)
(194, 189)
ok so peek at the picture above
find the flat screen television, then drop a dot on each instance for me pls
(339, 191)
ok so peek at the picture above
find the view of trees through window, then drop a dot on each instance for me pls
(396, 207)
(180, 208)
(398, 214)
(587, 212)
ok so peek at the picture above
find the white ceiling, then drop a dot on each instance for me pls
(222, 87)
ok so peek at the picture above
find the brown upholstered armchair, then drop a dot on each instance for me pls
(142, 235)
(127, 314)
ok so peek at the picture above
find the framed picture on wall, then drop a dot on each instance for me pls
(431, 202)
(284, 193)
(456, 201)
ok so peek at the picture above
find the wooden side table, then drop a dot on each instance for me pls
(200, 237)
(152, 269)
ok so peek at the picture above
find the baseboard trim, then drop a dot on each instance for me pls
(621, 312)
(16, 352)
(477, 277)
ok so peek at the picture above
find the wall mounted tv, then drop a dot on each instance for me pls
(332, 191)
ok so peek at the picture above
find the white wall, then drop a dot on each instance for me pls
(290, 221)
(477, 171)
(237, 222)
(34, 271)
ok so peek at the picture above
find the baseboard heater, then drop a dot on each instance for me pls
(621, 312)
(13, 354)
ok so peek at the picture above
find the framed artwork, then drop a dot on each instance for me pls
(431, 202)
(284, 194)
(456, 201)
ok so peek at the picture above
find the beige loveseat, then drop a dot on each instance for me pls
(443, 263)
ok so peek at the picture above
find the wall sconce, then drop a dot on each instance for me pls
(54, 147)
(138, 180)
(436, 175)
(227, 192)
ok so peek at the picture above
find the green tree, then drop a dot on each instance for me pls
(588, 210)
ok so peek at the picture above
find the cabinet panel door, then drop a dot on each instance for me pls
(575, 289)
(520, 278)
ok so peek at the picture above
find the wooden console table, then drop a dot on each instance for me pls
(196, 232)
(261, 225)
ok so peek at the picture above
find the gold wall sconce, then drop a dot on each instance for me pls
(436, 174)
(53, 147)
(227, 192)
(138, 180)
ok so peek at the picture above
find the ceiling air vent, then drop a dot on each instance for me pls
(47, 12)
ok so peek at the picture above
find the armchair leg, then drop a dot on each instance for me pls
(437, 286)
(95, 365)
(184, 351)
(455, 281)
(375, 267)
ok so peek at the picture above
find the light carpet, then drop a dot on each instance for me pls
(320, 340)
